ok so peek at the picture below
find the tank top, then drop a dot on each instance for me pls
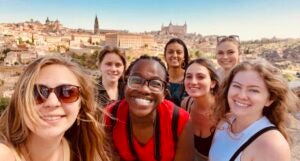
(225, 143)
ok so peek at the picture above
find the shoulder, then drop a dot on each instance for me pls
(265, 148)
(5, 153)
(169, 106)
(111, 111)
(186, 102)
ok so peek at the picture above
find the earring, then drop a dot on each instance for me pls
(183, 65)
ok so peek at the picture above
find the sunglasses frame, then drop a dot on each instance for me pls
(229, 37)
(58, 91)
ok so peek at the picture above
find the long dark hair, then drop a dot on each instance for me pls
(185, 50)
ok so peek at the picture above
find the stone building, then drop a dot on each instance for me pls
(171, 29)
(53, 26)
(129, 40)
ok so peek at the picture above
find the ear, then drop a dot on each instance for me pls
(213, 84)
(268, 103)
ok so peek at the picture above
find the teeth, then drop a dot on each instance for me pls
(143, 101)
(241, 104)
(51, 118)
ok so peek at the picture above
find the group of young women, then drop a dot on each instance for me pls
(186, 111)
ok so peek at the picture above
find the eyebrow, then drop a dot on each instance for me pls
(249, 85)
(152, 78)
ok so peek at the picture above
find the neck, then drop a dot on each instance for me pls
(176, 74)
(143, 121)
(109, 84)
(226, 71)
(111, 88)
(41, 149)
(242, 122)
(204, 103)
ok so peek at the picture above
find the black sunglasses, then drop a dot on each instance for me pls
(230, 37)
(65, 93)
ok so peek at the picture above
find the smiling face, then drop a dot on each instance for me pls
(143, 101)
(197, 80)
(227, 55)
(111, 67)
(248, 94)
(174, 55)
(56, 117)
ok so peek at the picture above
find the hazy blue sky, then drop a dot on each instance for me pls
(251, 19)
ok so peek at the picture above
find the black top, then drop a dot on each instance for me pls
(103, 97)
(203, 144)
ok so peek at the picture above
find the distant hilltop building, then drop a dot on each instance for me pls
(173, 29)
(53, 26)
(96, 26)
(129, 40)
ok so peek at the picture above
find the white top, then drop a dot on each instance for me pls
(226, 143)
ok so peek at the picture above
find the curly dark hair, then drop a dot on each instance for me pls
(147, 57)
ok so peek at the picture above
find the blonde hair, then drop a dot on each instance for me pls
(233, 39)
(87, 141)
(283, 98)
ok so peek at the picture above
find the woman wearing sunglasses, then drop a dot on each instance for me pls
(148, 127)
(112, 64)
(227, 54)
(51, 116)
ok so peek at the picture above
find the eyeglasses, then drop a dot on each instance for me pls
(230, 37)
(137, 82)
(65, 93)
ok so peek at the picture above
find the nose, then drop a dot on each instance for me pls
(242, 94)
(52, 101)
(225, 55)
(193, 80)
(113, 68)
(145, 87)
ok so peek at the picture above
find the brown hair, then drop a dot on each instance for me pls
(108, 49)
(211, 69)
(283, 98)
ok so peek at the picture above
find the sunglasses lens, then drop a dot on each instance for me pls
(40, 93)
(67, 93)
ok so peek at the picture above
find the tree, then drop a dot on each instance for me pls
(4, 101)
(20, 40)
(1, 82)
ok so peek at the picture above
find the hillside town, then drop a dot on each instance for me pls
(20, 43)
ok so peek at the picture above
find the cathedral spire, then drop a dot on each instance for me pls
(96, 26)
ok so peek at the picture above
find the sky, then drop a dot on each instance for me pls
(250, 19)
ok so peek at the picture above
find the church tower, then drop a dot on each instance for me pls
(47, 21)
(96, 26)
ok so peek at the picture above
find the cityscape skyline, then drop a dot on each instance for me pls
(250, 19)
